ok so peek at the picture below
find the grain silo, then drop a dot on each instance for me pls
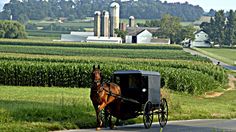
(115, 18)
(131, 21)
(105, 24)
(123, 26)
(97, 23)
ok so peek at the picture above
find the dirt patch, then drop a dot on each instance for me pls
(232, 81)
(231, 84)
(213, 94)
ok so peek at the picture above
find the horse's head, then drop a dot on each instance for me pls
(96, 74)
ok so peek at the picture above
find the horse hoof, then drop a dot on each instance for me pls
(98, 128)
(113, 127)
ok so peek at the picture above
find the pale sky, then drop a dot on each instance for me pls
(208, 4)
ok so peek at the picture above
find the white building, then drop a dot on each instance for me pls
(96, 39)
(201, 40)
(143, 36)
(76, 36)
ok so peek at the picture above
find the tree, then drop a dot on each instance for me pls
(12, 29)
(121, 34)
(219, 27)
(186, 32)
(170, 27)
(230, 29)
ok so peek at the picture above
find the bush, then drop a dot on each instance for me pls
(12, 29)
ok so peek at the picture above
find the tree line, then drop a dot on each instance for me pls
(143, 9)
(221, 28)
(171, 28)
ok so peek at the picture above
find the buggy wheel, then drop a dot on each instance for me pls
(147, 115)
(163, 113)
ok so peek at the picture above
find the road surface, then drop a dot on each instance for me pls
(213, 125)
(215, 61)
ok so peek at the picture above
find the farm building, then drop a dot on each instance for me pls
(76, 36)
(201, 40)
(143, 36)
(104, 39)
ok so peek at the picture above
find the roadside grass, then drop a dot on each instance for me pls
(43, 109)
(46, 109)
(226, 55)
(185, 107)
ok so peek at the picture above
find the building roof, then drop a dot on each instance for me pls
(97, 13)
(199, 32)
(134, 31)
(138, 72)
(82, 33)
(131, 17)
(104, 39)
(114, 4)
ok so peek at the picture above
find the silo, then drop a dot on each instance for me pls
(123, 26)
(97, 23)
(105, 24)
(115, 18)
(131, 21)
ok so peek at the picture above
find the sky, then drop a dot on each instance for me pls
(210, 4)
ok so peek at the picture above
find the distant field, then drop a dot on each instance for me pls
(226, 55)
(75, 23)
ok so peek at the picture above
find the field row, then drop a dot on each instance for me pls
(79, 75)
(102, 52)
(88, 45)
(207, 68)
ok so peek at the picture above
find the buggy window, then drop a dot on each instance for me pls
(134, 81)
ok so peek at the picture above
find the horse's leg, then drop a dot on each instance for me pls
(101, 107)
(98, 117)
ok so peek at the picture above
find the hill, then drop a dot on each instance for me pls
(142, 9)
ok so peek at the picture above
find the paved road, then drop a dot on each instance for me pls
(215, 61)
(177, 126)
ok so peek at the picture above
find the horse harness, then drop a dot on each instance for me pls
(109, 92)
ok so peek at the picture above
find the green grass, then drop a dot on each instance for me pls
(226, 55)
(45, 109)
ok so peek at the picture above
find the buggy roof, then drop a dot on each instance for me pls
(137, 72)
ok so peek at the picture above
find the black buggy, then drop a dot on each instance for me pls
(140, 95)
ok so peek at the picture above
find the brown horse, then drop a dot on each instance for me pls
(102, 94)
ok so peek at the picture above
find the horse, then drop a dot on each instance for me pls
(102, 94)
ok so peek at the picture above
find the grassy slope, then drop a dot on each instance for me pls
(43, 109)
(224, 54)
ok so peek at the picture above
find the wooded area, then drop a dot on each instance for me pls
(74, 9)
(222, 28)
